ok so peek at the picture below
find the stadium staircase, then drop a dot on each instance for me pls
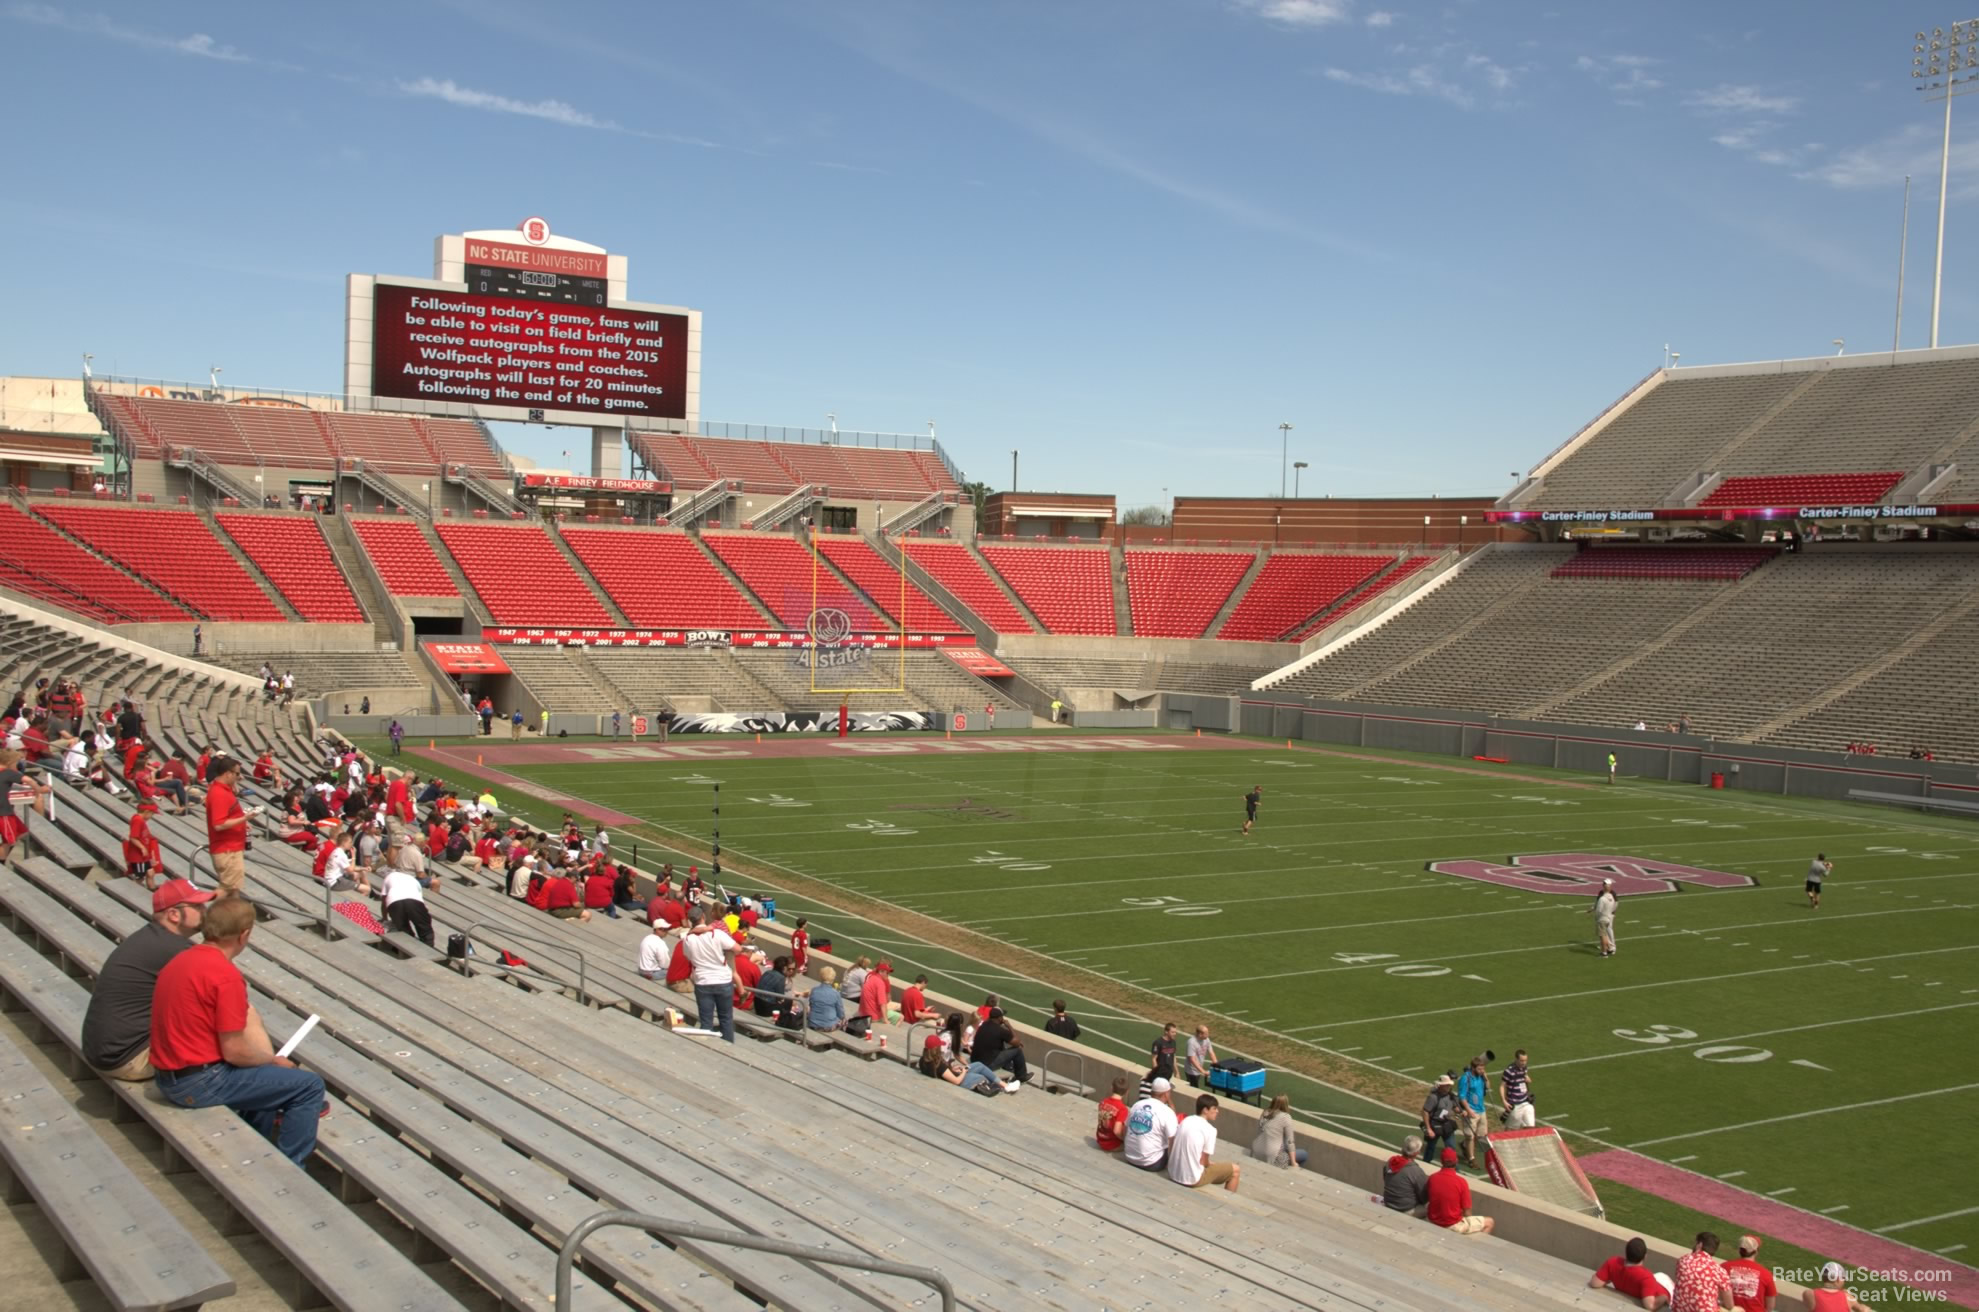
(1180, 593)
(344, 549)
(746, 691)
(964, 581)
(780, 512)
(584, 575)
(556, 676)
(917, 514)
(1070, 589)
(1237, 594)
(206, 471)
(387, 496)
(477, 485)
(1123, 602)
(704, 503)
(880, 579)
(734, 579)
(250, 567)
(462, 588)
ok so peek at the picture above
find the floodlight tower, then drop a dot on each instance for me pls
(1944, 64)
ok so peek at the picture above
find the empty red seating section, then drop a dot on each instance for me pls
(852, 472)
(521, 577)
(175, 550)
(674, 456)
(1069, 588)
(1291, 588)
(404, 558)
(882, 582)
(662, 580)
(1804, 489)
(37, 560)
(750, 462)
(232, 433)
(1713, 564)
(780, 571)
(1175, 594)
(1384, 584)
(958, 570)
(291, 551)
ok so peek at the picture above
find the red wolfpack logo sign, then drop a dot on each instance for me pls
(1582, 872)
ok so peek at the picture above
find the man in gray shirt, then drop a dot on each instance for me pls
(116, 1030)
(1816, 872)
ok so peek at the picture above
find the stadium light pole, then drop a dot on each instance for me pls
(1936, 61)
(1013, 471)
(1297, 465)
(1284, 449)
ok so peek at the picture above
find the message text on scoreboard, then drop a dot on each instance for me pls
(492, 350)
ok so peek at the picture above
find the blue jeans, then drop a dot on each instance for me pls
(717, 1002)
(281, 1103)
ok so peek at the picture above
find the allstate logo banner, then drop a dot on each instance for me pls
(1582, 873)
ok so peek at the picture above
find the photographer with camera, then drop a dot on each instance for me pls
(1440, 1128)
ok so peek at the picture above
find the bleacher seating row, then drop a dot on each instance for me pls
(1620, 562)
(293, 437)
(291, 551)
(1069, 589)
(173, 549)
(1804, 489)
(851, 472)
(784, 577)
(520, 576)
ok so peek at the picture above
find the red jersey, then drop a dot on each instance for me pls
(747, 973)
(1635, 1281)
(1752, 1284)
(538, 895)
(200, 995)
(679, 968)
(1449, 1196)
(1111, 1113)
(221, 805)
(914, 1004)
(800, 950)
(485, 849)
(558, 892)
(141, 847)
(264, 768)
(398, 800)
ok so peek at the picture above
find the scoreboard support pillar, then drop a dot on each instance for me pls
(606, 461)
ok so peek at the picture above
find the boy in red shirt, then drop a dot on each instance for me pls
(1627, 1276)
(143, 860)
(1112, 1129)
(1450, 1200)
(800, 947)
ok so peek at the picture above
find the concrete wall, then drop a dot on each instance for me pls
(1349, 521)
(1205, 651)
(1185, 710)
(122, 639)
(225, 637)
(1138, 719)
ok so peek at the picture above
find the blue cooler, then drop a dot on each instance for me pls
(1241, 1079)
(768, 904)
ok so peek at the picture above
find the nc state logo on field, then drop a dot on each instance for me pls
(534, 230)
(1582, 872)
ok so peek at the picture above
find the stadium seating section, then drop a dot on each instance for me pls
(296, 438)
(1070, 589)
(405, 559)
(1723, 563)
(785, 577)
(1175, 594)
(662, 579)
(291, 551)
(38, 561)
(1291, 589)
(1804, 489)
(1384, 583)
(852, 472)
(956, 568)
(175, 550)
(882, 582)
(521, 577)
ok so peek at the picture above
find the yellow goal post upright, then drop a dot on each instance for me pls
(823, 583)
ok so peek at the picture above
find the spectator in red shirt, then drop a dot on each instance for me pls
(748, 970)
(598, 891)
(1753, 1289)
(560, 899)
(800, 947)
(1450, 1200)
(876, 993)
(1702, 1284)
(267, 772)
(1627, 1276)
(143, 860)
(210, 1049)
(398, 798)
(914, 1002)
(1111, 1131)
(226, 826)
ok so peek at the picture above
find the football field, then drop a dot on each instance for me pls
(1738, 1036)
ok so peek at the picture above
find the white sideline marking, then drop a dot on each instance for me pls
(1388, 1056)
(1818, 1111)
(1952, 1248)
(1926, 1220)
(1775, 1193)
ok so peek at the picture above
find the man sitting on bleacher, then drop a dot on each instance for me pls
(116, 1030)
(210, 1049)
(1151, 1129)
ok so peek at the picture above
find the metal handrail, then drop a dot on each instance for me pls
(666, 1228)
(468, 935)
(1044, 1071)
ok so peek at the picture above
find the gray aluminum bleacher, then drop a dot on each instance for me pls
(322, 673)
(1888, 417)
(556, 682)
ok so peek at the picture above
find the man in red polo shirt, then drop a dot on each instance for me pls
(209, 1048)
(1450, 1200)
(226, 825)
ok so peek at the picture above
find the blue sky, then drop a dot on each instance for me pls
(1128, 239)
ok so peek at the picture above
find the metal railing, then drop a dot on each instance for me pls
(467, 936)
(781, 512)
(1044, 1071)
(670, 1229)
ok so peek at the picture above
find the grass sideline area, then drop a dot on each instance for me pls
(1737, 1034)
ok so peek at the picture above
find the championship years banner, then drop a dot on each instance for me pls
(803, 722)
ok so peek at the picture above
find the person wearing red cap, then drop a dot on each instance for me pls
(116, 1030)
(209, 1048)
(1450, 1200)
(143, 859)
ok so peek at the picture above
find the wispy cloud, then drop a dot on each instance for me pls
(1459, 77)
(1910, 152)
(199, 44)
(1301, 13)
(1727, 98)
(1629, 77)
(1380, 18)
(551, 111)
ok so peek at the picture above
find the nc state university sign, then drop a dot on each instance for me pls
(1582, 872)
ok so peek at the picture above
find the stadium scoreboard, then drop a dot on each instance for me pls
(523, 325)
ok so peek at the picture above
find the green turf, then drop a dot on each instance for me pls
(1799, 1054)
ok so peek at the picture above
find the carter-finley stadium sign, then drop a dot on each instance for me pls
(1581, 873)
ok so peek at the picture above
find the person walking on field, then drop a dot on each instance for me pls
(1250, 806)
(1819, 870)
(1603, 912)
(1611, 769)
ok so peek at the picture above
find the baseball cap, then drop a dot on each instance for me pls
(1449, 1157)
(1748, 1244)
(147, 805)
(1160, 1085)
(1834, 1271)
(176, 892)
(932, 1041)
(886, 966)
(1607, 883)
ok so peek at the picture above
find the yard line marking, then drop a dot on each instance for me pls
(1952, 1248)
(1812, 1066)
(1818, 1111)
(1407, 1070)
(1386, 1056)
(1355, 1048)
(1599, 1129)
(1640, 1049)
(1731, 1175)
(1830, 1211)
(1775, 1193)
(1926, 1220)
(1690, 1158)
